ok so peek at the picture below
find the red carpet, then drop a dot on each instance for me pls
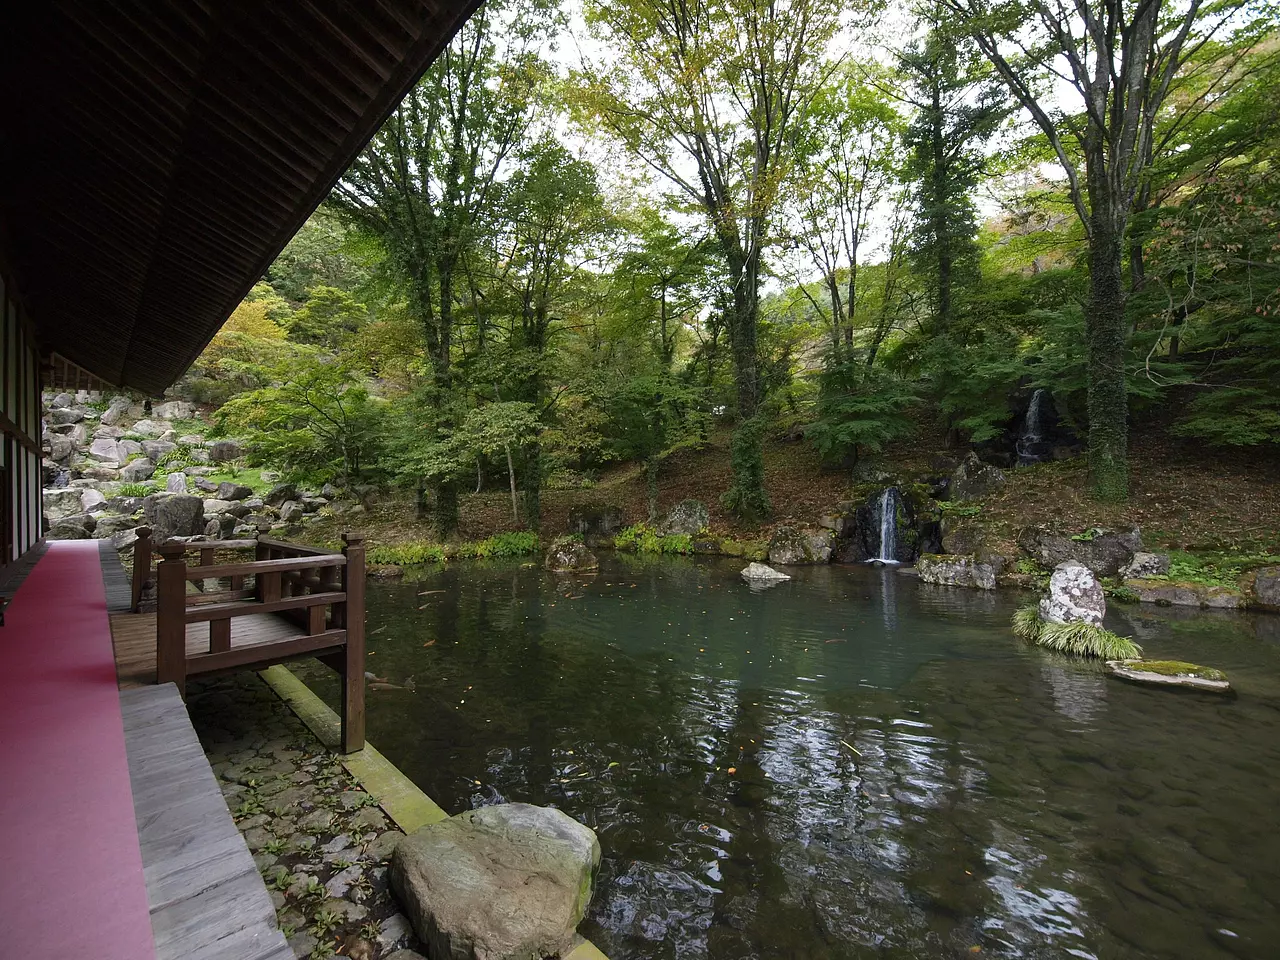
(71, 881)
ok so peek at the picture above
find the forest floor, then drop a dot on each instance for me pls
(1183, 495)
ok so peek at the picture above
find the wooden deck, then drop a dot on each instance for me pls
(134, 636)
(206, 899)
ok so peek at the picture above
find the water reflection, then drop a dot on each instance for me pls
(851, 764)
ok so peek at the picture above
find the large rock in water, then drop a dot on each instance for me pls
(594, 519)
(1262, 587)
(688, 517)
(567, 554)
(791, 546)
(973, 479)
(179, 515)
(1104, 552)
(762, 571)
(507, 882)
(956, 571)
(1074, 596)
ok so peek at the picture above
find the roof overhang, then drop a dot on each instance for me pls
(155, 157)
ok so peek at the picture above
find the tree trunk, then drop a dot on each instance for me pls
(746, 496)
(1108, 401)
(533, 486)
(511, 476)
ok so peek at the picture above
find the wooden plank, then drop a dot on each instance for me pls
(266, 653)
(284, 565)
(215, 611)
(297, 548)
(220, 635)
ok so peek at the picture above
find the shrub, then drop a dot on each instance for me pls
(1078, 639)
(644, 539)
(516, 543)
(135, 490)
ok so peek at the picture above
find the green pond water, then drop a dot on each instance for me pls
(849, 764)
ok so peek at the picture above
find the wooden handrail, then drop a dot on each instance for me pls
(220, 611)
(295, 548)
(287, 565)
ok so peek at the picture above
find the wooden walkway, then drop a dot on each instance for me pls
(134, 636)
(206, 898)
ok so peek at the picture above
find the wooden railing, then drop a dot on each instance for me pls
(319, 592)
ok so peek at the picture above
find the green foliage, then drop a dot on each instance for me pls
(1216, 569)
(860, 409)
(519, 543)
(643, 538)
(1078, 639)
(746, 497)
(329, 318)
(135, 489)
(955, 508)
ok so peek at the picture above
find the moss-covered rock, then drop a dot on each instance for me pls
(1170, 673)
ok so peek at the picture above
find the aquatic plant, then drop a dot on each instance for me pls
(1079, 639)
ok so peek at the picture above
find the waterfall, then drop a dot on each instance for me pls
(888, 526)
(1031, 443)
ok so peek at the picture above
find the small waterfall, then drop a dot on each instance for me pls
(888, 526)
(1032, 446)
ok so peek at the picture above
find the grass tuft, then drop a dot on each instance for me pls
(1077, 639)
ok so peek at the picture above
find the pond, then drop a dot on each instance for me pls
(849, 764)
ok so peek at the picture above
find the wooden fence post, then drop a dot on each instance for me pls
(141, 564)
(171, 619)
(353, 663)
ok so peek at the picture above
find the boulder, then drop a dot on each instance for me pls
(280, 493)
(1074, 596)
(595, 519)
(291, 511)
(61, 401)
(62, 503)
(112, 433)
(329, 492)
(137, 471)
(221, 451)
(66, 415)
(176, 483)
(192, 440)
(60, 448)
(791, 546)
(1165, 593)
(91, 499)
(762, 571)
(114, 413)
(238, 508)
(76, 527)
(176, 515)
(314, 504)
(956, 571)
(1102, 551)
(688, 517)
(504, 882)
(106, 449)
(130, 448)
(1145, 565)
(155, 449)
(973, 479)
(1262, 588)
(174, 410)
(567, 554)
(110, 526)
(214, 507)
(148, 428)
(1170, 673)
(220, 527)
(128, 505)
(208, 486)
(233, 491)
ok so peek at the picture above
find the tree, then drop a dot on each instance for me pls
(426, 184)
(329, 318)
(846, 144)
(706, 93)
(957, 109)
(1122, 60)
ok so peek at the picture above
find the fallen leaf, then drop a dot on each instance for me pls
(733, 769)
(429, 643)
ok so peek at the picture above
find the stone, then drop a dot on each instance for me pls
(228, 490)
(61, 401)
(1104, 552)
(291, 511)
(136, 471)
(791, 546)
(314, 504)
(176, 483)
(567, 554)
(220, 527)
(352, 799)
(281, 493)
(1262, 588)
(105, 449)
(1170, 673)
(394, 931)
(176, 515)
(504, 882)
(192, 440)
(220, 451)
(60, 448)
(148, 428)
(67, 415)
(77, 527)
(595, 520)
(155, 449)
(687, 518)
(91, 499)
(215, 507)
(114, 413)
(129, 448)
(956, 571)
(1172, 594)
(174, 410)
(338, 885)
(1074, 596)
(973, 479)
(63, 502)
(1144, 565)
(109, 433)
(762, 571)
(382, 847)
(329, 492)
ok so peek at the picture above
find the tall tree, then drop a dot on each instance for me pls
(705, 93)
(427, 181)
(1118, 62)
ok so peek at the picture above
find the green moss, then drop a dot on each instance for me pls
(1177, 668)
(644, 539)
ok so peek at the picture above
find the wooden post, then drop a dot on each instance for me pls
(141, 564)
(171, 616)
(353, 670)
(260, 552)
